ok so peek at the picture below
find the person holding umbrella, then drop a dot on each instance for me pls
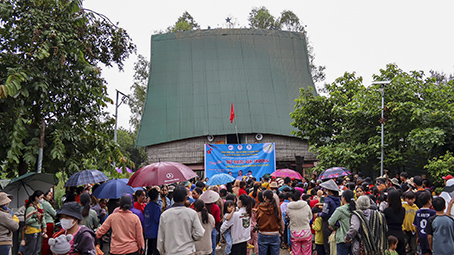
(7, 225)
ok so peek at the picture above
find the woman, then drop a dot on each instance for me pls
(127, 234)
(367, 231)
(360, 192)
(140, 198)
(210, 198)
(330, 203)
(300, 214)
(269, 220)
(341, 217)
(7, 225)
(395, 215)
(254, 193)
(36, 226)
(241, 226)
(203, 246)
(49, 215)
(90, 217)
(83, 241)
(236, 188)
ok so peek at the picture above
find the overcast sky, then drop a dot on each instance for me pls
(355, 36)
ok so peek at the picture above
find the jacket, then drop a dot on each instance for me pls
(241, 226)
(203, 246)
(300, 215)
(329, 206)
(267, 220)
(179, 228)
(341, 215)
(84, 242)
(152, 214)
(7, 226)
(49, 212)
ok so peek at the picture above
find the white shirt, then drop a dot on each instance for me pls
(179, 228)
(241, 226)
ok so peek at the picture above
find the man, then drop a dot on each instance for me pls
(419, 189)
(287, 182)
(249, 175)
(440, 229)
(403, 178)
(7, 224)
(152, 214)
(179, 227)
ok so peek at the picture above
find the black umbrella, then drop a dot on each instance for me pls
(23, 186)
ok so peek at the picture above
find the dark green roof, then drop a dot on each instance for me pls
(196, 75)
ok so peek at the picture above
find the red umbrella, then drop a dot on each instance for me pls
(161, 173)
(282, 173)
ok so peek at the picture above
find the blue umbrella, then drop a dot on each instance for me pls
(219, 179)
(113, 189)
(86, 177)
(126, 181)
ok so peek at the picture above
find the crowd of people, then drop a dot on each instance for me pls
(345, 215)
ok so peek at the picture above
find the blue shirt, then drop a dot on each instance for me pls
(152, 214)
(441, 228)
(421, 218)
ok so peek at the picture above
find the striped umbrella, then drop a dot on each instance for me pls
(86, 177)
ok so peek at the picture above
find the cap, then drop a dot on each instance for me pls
(447, 177)
(72, 209)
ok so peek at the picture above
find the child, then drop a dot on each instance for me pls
(317, 227)
(440, 228)
(60, 245)
(421, 218)
(392, 245)
(408, 227)
(287, 199)
(229, 209)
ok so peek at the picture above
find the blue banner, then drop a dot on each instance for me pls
(259, 158)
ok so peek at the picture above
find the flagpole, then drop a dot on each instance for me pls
(236, 131)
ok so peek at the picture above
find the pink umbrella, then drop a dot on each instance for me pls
(282, 173)
(161, 173)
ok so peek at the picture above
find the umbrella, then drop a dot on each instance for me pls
(334, 172)
(4, 182)
(24, 186)
(161, 173)
(112, 189)
(126, 182)
(86, 177)
(219, 179)
(282, 173)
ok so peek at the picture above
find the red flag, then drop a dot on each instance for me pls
(232, 114)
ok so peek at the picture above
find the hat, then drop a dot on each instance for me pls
(363, 202)
(60, 245)
(4, 198)
(171, 188)
(209, 197)
(394, 181)
(72, 209)
(447, 177)
(273, 185)
(330, 185)
(410, 181)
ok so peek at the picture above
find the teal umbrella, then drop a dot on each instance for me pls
(23, 186)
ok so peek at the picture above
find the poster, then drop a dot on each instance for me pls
(259, 158)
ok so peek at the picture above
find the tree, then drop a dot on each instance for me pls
(343, 126)
(184, 23)
(261, 18)
(52, 95)
(127, 140)
(136, 100)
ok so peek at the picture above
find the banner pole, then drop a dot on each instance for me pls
(236, 131)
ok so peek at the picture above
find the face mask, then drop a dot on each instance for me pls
(67, 223)
(41, 200)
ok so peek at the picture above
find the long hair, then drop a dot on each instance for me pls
(85, 201)
(246, 202)
(350, 199)
(394, 200)
(199, 206)
(256, 189)
(32, 198)
(272, 203)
